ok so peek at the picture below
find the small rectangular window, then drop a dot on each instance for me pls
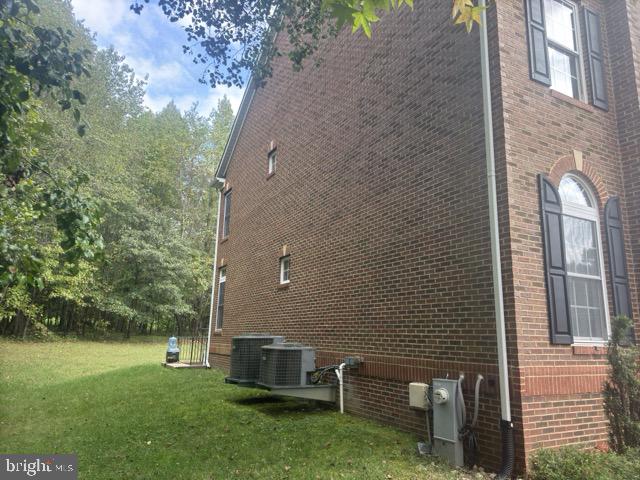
(271, 160)
(285, 264)
(227, 214)
(221, 288)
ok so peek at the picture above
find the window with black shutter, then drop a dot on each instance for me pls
(574, 265)
(556, 53)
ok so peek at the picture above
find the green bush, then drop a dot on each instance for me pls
(39, 331)
(571, 463)
(622, 389)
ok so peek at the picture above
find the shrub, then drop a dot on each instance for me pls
(571, 463)
(39, 331)
(622, 388)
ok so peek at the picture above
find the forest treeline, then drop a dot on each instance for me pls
(145, 179)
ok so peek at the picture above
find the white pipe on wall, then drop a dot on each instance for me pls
(503, 366)
(340, 375)
(205, 360)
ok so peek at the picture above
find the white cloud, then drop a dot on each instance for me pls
(101, 16)
(151, 46)
(186, 20)
(171, 72)
(157, 102)
(184, 102)
(234, 94)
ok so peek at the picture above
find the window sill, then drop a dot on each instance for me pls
(600, 349)
(573, 101)
(283, 286)
(269, 175)
(217, 332)
(222, 240)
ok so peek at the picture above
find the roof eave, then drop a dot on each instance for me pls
(238, 122)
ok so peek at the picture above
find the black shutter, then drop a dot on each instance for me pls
(599, 95)
(537, 35)
(555, 262)
(617, 258)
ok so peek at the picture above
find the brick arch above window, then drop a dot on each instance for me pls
(576, 163)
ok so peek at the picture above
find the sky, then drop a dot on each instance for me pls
(152, 46)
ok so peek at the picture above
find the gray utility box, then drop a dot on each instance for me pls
(446, 443)
(286, 365)
(246, 352)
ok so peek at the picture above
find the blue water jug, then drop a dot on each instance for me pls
(173, 352)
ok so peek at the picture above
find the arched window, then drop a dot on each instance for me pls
(585, 270)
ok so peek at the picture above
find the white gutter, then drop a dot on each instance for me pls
(205, 360)
(503, 367)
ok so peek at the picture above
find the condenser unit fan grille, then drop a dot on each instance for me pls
(246, 354)
(281, 367)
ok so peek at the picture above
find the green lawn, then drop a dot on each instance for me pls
(128, 418)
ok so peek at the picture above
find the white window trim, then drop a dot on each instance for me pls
(222, 278)
(579, 51)
(282, 261)
(592, 214)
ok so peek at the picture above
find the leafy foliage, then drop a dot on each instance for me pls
(571, 463)
(622, 389)
(38, 64)
(111, 231)
(232, 38)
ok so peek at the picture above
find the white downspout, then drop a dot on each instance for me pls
(340, 375)
(213, 280)
(506, 426)
(505, 403)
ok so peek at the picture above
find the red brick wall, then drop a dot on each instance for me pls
(380, 197)
(625, 32)
(561, 385)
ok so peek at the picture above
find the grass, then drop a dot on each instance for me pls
(128, 418)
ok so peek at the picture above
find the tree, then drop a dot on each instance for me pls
(232, 37)
(37, 64)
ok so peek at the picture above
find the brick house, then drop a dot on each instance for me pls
(354, 214)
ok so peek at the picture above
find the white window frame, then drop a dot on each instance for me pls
(222, 278)
(272, 160)
(591, 214)
(286, 259)
(578, 53)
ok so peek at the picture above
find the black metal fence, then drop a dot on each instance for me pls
(193, 349)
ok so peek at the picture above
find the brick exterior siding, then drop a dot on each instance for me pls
(561, 385)
(380, 199)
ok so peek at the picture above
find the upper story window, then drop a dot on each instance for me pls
(285, 265)
(557, 55)
(563, 47)
(271, 162)
(226, 214)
